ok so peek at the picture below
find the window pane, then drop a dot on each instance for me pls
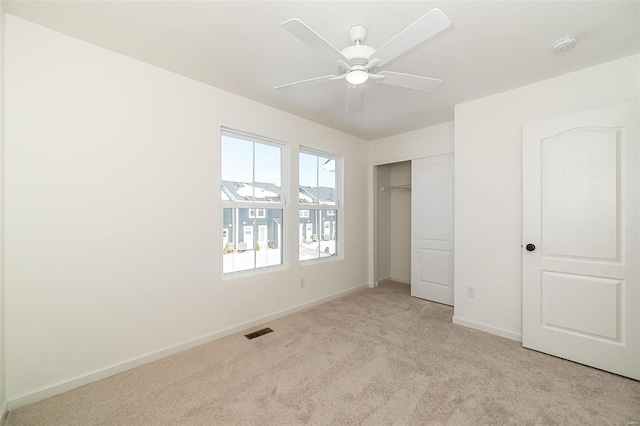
(268, 187)
(268, 247)
(308, 179)
(235, 256)
(237, 169)
(249, 243)
(318, 234)
(327, 181)
(308, 242)
(329, 233)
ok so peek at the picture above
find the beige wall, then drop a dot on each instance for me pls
(383, 225)
(488, 194)
(113, 253)
(3, 399)
(401, 223)
(425, 142)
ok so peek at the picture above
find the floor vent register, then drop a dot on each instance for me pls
(258, 333)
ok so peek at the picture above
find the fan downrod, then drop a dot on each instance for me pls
(357, 34)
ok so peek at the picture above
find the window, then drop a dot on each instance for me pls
(257, 213)
(319, 205)
(252, 202)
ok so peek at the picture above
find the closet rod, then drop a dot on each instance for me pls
(391, 188)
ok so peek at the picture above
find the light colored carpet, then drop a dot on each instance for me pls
(375, 357)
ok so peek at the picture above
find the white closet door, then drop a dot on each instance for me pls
(581, 230)
(432, 228)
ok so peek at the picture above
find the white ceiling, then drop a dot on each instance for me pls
(238, 46)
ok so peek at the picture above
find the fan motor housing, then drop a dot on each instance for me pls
(358, 54)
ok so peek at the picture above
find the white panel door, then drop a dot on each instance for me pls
(581, 242)
(248, 237)
(326, 230)
(225, 237)
(432, 228)
(262, 235)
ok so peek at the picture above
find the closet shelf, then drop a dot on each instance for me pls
(392, 188)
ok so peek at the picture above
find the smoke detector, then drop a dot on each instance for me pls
(564, 43)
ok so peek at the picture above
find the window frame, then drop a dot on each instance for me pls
(337, 207)
(255, 206)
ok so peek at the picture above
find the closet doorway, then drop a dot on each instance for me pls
(393, 222)
(414, 226)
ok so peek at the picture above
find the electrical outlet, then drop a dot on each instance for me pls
(471, 292)
(302, 283)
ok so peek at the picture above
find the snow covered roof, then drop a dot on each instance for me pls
(317, 195)
(248, 191)
(268, 192)
(259, 191)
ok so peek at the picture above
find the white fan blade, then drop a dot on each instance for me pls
(311, 82)
(372, 63)
(409, 81)
(423, 29)
(301, 31)
(354, 97)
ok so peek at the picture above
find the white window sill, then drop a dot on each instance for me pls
(252, 272)
(309, 262)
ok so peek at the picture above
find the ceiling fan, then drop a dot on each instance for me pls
(359, 63)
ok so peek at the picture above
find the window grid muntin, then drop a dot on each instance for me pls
(337, 173)
(337, 207)
(235, 206)
(237, 134)
(240, 230)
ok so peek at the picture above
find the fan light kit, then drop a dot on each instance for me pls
(357, 75)
(360, 63)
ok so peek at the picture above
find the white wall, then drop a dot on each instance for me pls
(401, 223)
(488, 141)
(3, 399)
(425, 142)
(113, 213)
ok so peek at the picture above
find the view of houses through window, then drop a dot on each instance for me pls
(318, 196)
(252, 203)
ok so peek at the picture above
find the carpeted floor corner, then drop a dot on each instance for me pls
(375, 357)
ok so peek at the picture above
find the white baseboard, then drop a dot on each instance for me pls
(392, 278)
(3, 412)
(488, 329)
(383, 279)
(48, 391)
